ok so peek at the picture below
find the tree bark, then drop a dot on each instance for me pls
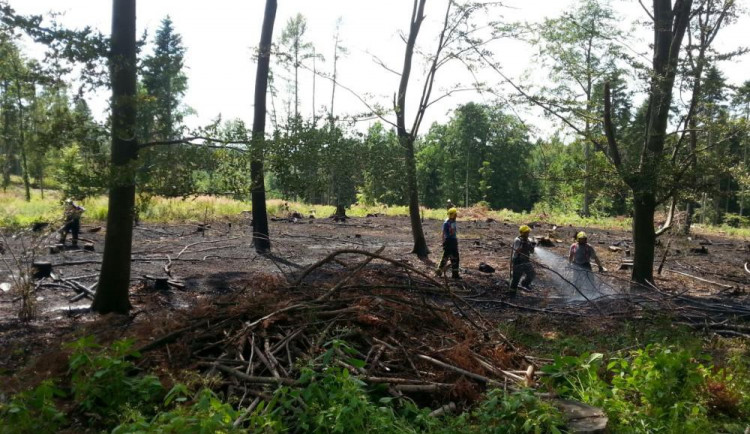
(261, 239)
(22, 141)
(407, 138)
(114, 280)
(669, 29)
(644, 237)
(420, 244)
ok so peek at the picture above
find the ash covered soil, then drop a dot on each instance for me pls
(219, 261)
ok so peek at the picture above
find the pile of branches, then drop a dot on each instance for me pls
(387, 324)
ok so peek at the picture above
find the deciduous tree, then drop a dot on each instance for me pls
(114, 279)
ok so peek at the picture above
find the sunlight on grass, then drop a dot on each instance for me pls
(16, 212)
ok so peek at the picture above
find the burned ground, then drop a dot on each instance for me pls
(226, 303)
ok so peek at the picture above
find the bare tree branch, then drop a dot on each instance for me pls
(650, 15)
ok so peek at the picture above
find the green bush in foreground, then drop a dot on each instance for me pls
(106, 392)
(658, 389)
(33, 411)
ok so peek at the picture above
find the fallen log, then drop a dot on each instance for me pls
(469, 374)
(721, 285)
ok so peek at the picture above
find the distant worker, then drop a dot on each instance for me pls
(450, 204)
(450, 244)
(72, 218)
(520, 260)
(581, 253)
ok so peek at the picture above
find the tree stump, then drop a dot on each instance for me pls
(41, 269)
(625, 265)
(38, 226)
(485, 268)
(582, 418)
(161, 284)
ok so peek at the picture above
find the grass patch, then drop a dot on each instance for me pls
(549, 337)
(16, 212)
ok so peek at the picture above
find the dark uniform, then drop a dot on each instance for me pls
(522, 249)
(72, 222)
(450, 247)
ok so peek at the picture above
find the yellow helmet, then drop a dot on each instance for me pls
(524, 229)
(581, 235)
(452, 212)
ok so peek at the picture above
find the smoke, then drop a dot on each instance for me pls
(587, 282)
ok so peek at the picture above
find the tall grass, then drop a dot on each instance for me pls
(16, 212)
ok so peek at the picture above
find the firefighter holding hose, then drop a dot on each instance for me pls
(520, 260)
(581, 253)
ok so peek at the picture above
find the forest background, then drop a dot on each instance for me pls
(515, 138)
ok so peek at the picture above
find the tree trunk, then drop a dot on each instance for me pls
(22, 144)
(689, 214)
(340, 209)
(587, 128)
(644, 237)
(25, 167)
(420, 244)
(7, 148)
(669, 29)
(407, 138)
(587, 174)
(261, 238)
(114, 280)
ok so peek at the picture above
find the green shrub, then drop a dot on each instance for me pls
(656, 389)
(205, 414)
(103, 383)
(33, 411)
(509, 413)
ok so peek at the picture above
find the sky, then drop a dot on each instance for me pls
(219, 36)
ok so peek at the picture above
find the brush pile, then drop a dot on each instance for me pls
(387, 324)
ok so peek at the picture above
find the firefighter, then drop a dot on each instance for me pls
(520, 260)
(72, 216)
(450, 244)
(581, 253)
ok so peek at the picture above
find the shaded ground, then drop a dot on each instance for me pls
(219, 261)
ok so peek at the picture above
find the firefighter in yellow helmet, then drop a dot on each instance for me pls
(581, 253)
(520, 260)
(450, 244)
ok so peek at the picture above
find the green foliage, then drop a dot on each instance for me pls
(102, 380)
(658, 388)
(384, 169)
(79, 175)
(205, 414)
(481, 154)
(509, 413)
(33, 411)
(332, 401)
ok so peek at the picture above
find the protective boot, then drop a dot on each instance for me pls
(455, 275)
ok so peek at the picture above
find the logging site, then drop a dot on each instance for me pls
(419, 216)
